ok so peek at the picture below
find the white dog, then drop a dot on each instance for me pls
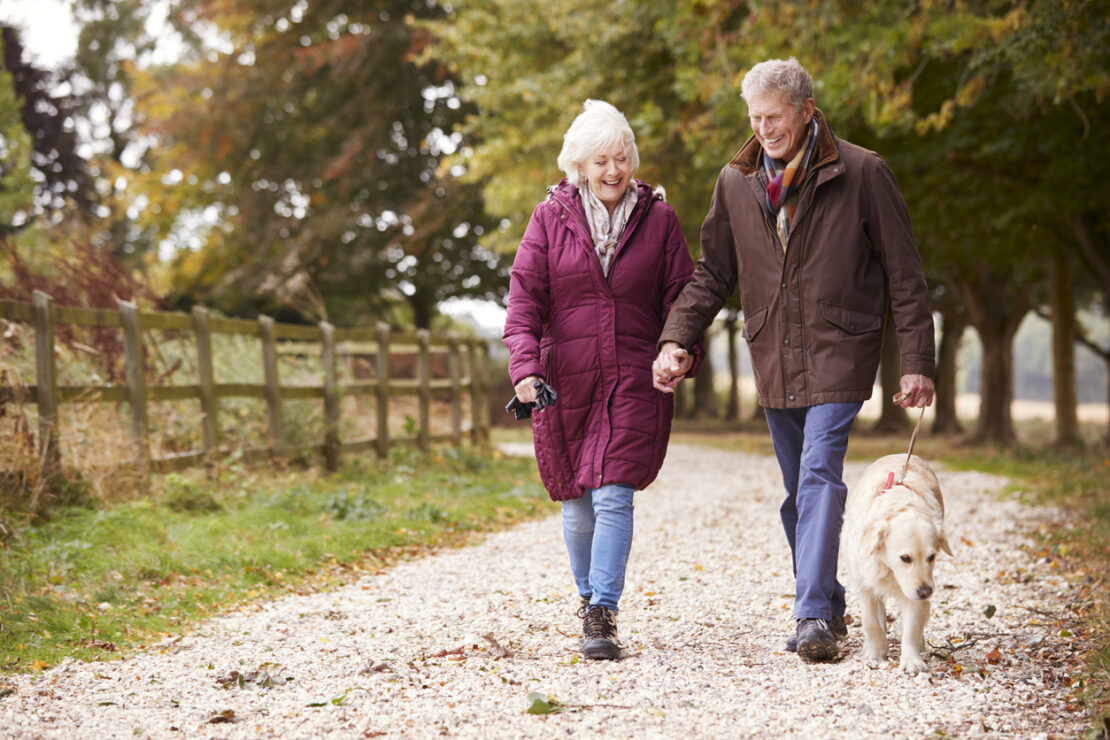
(890, 539)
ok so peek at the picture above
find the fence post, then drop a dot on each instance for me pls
(456, 400)
(383, 390)
(206, 380)
(273, 400)
(331, 398)
(46, 380)
(475, 406)
(136, 386)
(482, 371)
(423, 377)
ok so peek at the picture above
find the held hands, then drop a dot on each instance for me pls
(525, 391)
(917, 391)
(670, 366)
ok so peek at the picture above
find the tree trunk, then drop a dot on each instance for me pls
(1063, 351)
(996, 312)
(705, 397)
(732, 413)
(893, 419)
(952, 330)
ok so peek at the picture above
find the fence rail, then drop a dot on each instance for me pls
(275, 339)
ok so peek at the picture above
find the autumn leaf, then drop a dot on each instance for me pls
(539, 703)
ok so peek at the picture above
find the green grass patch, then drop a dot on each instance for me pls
(89, 583)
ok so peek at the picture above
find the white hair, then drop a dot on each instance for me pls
(597, 127)
(784, 76)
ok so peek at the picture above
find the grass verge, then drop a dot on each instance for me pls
(90, 583)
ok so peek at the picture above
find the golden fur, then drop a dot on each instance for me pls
(889, 543)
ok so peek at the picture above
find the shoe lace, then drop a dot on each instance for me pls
(599, 622)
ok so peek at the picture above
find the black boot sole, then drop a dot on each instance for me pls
(601, 649)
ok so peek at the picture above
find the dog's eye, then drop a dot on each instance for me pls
(932, 557)
(907, 559)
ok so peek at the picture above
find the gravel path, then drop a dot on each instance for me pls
(452, 644)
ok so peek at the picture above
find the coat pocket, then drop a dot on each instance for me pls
(753, 324)
(851, 320)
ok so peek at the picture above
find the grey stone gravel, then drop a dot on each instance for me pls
(452, 644)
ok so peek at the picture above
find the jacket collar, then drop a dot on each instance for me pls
(750, 157)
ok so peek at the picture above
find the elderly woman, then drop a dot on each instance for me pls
(601, 262)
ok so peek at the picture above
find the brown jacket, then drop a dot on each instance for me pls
(813, 317)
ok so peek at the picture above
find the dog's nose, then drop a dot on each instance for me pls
(924, 592)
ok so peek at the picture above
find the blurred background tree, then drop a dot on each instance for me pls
(360, 159)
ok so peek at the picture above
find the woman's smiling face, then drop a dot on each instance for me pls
(778, 125)
(609, 172)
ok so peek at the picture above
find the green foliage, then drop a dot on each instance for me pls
(16, 185)
(311, 144)
(89, 583)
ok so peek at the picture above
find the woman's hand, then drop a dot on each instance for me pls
(525, 391)
(670, 366)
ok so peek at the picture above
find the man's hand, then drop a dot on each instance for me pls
(670, 366)
(917, 391)
(525, 390)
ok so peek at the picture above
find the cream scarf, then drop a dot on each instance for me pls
(605, 230)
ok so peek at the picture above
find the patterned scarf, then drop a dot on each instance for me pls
(782, 184)
(605, 230)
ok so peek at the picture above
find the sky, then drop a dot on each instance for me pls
(49, 32)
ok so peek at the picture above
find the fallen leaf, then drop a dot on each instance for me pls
(227, 715)
(989, 611)
(542, 704)
(994, 656)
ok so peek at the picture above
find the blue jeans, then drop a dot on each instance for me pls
(598, 531)
(810, 444)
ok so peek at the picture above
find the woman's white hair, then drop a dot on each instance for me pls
(783, 76)
(597, 127)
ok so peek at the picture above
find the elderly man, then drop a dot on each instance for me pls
(815, 233)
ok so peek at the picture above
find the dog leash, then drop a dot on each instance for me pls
(913, 440)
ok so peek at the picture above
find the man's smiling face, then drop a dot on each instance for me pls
(778, 125)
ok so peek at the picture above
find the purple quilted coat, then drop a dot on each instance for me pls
(593, 339)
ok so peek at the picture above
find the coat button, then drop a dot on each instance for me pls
(786, 341)
(783, 286)
(791, 396)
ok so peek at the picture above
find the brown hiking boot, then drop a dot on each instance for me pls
(599, 633)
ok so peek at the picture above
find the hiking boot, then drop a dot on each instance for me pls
(599, 633)
(837, 625)
(815, 641)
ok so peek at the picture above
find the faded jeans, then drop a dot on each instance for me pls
(810, 444)
(598, 531)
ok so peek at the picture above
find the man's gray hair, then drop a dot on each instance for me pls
(784, 76)
(597, 127)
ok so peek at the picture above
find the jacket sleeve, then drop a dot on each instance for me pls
(714, 278)
(679, 269)
(888, 225)
(529, 301)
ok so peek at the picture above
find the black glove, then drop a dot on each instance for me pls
(545, 396)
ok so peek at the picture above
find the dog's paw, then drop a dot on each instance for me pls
(912, 664)
(874, 653)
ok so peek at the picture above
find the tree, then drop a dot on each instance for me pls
(63, 182)
(302, 154)
(16, 185)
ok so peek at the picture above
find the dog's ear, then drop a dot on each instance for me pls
(873, 536)
(942, 543)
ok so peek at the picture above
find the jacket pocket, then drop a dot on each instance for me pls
(753, 324)
(851, 320)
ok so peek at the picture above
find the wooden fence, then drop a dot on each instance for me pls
(379, 342)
